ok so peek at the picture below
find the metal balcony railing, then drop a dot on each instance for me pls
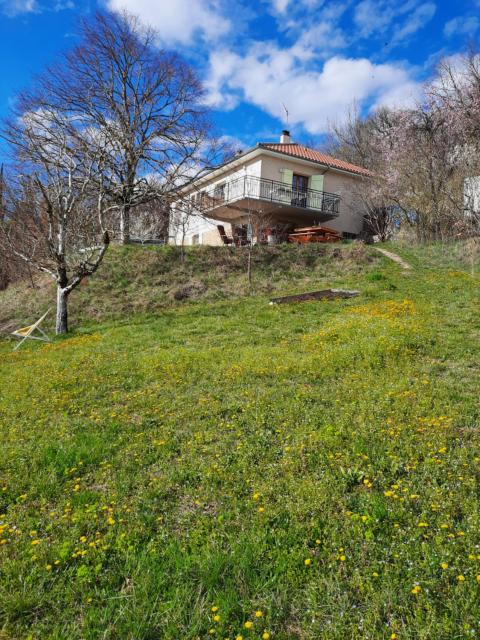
(264, 189)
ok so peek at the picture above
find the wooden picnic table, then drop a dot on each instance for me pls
(303, 235)
(317, 229)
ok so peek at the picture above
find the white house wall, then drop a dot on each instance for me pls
(197, 229)
(471, 196)
(350, 218)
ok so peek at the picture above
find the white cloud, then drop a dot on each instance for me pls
(372, 17)
(417, 20)
(177, 21)
(13, 8)
(280, 5)
(61, 5)
(324, 37)
(462, 25)
(268, 76)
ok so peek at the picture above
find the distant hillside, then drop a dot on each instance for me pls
(145, 280)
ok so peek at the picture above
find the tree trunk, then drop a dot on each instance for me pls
(125, 224)
(61, 325)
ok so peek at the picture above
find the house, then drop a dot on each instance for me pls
(266, 192)
(471, 197)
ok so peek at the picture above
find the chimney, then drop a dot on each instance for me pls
(285, 137)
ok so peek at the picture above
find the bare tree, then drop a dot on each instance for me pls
(139, 103)
(356, 140)
(455, 92)
(417, 165)
(56, 207)
(150, 221)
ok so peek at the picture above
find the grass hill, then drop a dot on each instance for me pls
(147, 280)
(215, 467)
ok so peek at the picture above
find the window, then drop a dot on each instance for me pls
(219, 191)
(196, 238)
(299, 190)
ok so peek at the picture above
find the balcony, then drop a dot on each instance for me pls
(231, 199)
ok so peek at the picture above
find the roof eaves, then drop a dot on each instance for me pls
(360, 172)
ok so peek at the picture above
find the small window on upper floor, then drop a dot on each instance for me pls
(219, 191)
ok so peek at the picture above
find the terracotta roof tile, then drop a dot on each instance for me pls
(305, 153)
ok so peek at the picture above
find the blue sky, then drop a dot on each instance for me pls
(316, 57)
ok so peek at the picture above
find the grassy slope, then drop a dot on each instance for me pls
(154, 469)
(134, 280)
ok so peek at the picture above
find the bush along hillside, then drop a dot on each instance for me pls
(226, 468)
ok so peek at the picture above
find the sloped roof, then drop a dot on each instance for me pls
(305, 153)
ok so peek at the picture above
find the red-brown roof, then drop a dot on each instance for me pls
(305, 153)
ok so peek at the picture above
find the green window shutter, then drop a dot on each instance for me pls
(316, 182)
(286, 176)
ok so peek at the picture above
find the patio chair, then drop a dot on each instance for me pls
(27, 332)
(225, 239)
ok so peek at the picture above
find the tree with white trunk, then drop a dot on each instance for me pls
(56, 205)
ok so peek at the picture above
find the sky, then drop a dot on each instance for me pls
(314, 58)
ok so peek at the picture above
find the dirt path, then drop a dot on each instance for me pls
(395, 258)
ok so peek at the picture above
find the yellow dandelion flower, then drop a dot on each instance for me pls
(48, 567)
(416, 589)
(217, 618)
(461, 578)
(444, 565)
(265, 635)
(261, 509)
(248, 624)
(34, 542)
(342, 558)
(307, 562)
(214, 609)
(258, 614)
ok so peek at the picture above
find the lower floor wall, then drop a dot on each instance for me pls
(199, 230)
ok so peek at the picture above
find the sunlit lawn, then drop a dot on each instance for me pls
(241, 470)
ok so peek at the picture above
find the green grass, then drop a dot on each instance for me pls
(196, 457)
(136, 280)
